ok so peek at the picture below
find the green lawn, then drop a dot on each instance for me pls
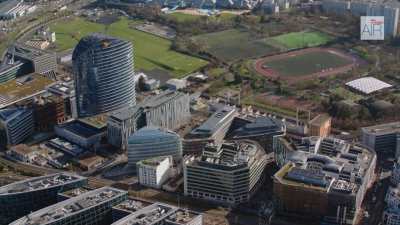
(234, 44)
(301, 39)
(183, 17)
(151, 52)
(308, 63)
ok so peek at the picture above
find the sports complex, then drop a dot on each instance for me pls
(306, 64)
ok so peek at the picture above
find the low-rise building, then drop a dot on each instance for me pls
(228, 174)
(176, 84)
(22, 153)
(154, 172)
(80, 133)
(90, 161)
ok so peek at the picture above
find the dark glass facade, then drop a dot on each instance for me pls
(104, 75)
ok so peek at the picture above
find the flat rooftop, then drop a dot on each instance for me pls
(39, 183)
(382, 129)
(132, 205)
(71, 206)
(23, 88)
(320, 119)
(162, 98)
(82, 129)
(149, 215)
(215, 121)
(155, 161)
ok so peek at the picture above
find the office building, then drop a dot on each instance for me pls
(382, 138)
(228, 174)
(14, 8)
(260, 129)
(80, 133)
(150, 142)
(23, 197)
(322, 179)
(161, 214)
(16, 125)
(154, 172)
(213, 130)
(391, 213)
(123, 123)
(104, 77)
(395, 178)
(90, 208)
(65, 90)
(35, 60)
(9, 70)
(48, 111)
(169, 109)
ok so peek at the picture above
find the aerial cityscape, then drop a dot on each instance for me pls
(199, 112)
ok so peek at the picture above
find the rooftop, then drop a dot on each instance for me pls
(81, 129)
(8, 114)
(162, 98)
(215, 121)
(23, 88)
(38, 183)
(368, 85)
(149, 215)
(71, 206)
(382, 129)
(320, 119)
(155, 161)
(132, 205)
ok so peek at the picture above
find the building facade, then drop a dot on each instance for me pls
(150, 142)
(154, 172)
(104, 76)
(383, 138)
(228, 174)
(21, 198)
(16, 124)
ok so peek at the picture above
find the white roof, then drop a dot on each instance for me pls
(368, 85)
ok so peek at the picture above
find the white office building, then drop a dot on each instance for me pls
(154, 172)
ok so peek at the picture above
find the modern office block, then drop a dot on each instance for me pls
(383, 138)
(320, 125)
(16, 124)
(322, 179)
(391, 214)
(150, 142)
(80, 133)
(154, 172)
(123, 123)
(169, 109)
(104, 76)
(212, 130)
(21, 198)
(90, 208)
(228, 174)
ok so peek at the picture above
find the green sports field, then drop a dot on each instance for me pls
(234, 44)
(302, 39)
(307, 63)
(151, 52)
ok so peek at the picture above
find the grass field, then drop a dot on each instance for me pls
(183, 17)
(301, 39)
(307, 63)
(151, 52)
(232, 45)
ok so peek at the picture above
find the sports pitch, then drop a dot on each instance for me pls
(150, 52)
(302, 39)
(234, 44)
(306, 63)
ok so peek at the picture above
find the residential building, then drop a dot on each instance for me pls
(322, 179)
(23, 197)
(228, 174)
(150, 142)
(320, 125)
(169, 109)
(90, 208)
(104, 76)
(123, 123)
(382, 138)
(154, 172)
(213, 130)
(16, 124)
(80, 133)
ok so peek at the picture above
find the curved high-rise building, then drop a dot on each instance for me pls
(104, 76)
(150, 142)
